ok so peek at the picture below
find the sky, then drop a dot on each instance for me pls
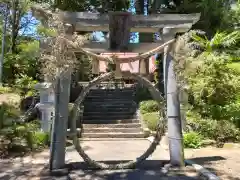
(29, 23)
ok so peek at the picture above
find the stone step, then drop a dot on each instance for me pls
(105, 121)
(119, 95)
(111, 139)
(110, 109)
(115, 95)
(109, 103)
(109, 113)
(90, 98)
(108, 106)
(111, 130)
(113, 90)
(109, 93)
(113, 135)
(116, 112)
(109, 100)
(108, 117)
(128, 125)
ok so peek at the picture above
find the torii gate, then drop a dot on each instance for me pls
(120, 24)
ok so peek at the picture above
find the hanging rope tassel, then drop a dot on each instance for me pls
(118, 73)
(142, 69)
(95, 66)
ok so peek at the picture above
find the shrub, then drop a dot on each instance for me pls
(8, 112)
(27, 135)
(218, 85)
(142, 94)
(221, 131)
(192, 140)
(41, 138)
(19, 136)
(149, 106)
(151, 120)
(25, 85)
(34, 137)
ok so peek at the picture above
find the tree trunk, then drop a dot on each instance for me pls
(15, 21)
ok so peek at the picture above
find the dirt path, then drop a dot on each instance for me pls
(33, 167)
(225, 163)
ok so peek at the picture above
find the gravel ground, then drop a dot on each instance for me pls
(225, 163)
(35, 166)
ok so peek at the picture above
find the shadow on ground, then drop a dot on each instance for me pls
(205, 160)
(149, 169)
(208, 163)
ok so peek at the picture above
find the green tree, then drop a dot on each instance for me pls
(222, 44)
(214, 14)
(21, 51)
(92, 5)
(234, 16)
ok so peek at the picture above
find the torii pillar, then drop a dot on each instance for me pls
(175, 136)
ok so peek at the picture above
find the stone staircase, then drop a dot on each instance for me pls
(111, 113)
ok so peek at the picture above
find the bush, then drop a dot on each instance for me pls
(151, 120)
(142, 94)
(213, 85)
(27, 136)
(221, 131)
(19, 136)
(7, 114)
(149, 106)
(192, 140)
(41, 139)
(25, 85)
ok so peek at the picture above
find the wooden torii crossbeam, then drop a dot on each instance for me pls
(119, 25)
(126, 22)
(85, 21)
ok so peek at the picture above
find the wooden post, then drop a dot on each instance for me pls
(119, 28)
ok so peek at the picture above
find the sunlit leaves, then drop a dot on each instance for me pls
(222, 43)
(29, 49)
(46, 32)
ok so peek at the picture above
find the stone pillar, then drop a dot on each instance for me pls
(59, 128)
(175, 136)
(46, 105)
